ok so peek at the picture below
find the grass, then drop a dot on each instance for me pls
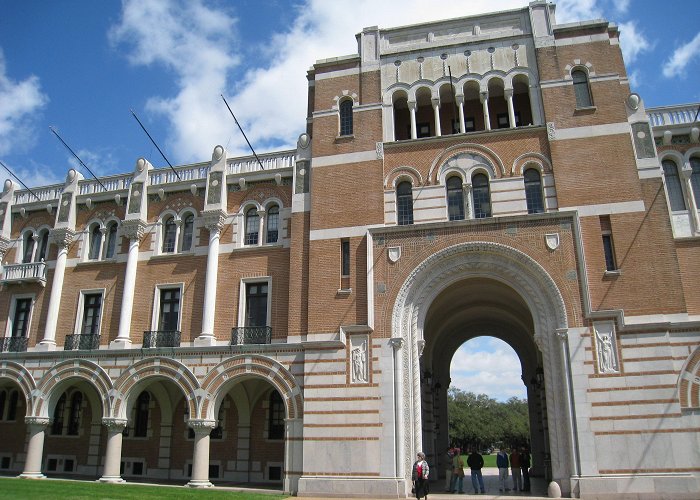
(489, 460)
(28, 489)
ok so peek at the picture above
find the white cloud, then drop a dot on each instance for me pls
(632, 41)
(621, 6)
(683, 55)
(569, 11)
(19, 103)
(487, 366)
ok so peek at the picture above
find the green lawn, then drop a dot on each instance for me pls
(489, 460)
(28, 489)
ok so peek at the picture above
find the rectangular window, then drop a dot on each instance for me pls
(608, 246)
(345, 257)
(20, 320)
(169, 316)
(256, 304)
(502, 120)
(92, 307)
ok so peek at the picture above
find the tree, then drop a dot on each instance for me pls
(480, 421)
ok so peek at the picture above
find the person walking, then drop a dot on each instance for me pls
(525, 467)
(419, 475)
(458, 472)
(449, 456)
(502, 464)
(515, 463)
(475, 462)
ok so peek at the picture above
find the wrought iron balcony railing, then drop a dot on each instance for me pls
(251, 335)
(13, 344)
(88, 342)
(161, 338)
(31, 272)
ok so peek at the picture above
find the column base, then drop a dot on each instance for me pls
(111, 479)
(200, 483)
(32, 475)
(120, 344)
(204, 340)
(46, 345)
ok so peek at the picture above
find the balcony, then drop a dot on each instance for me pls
(683, 114)
(251, 335)
(161, 338)
(82, 342)
(32, 272)
(13, 344)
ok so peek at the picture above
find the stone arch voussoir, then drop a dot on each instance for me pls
(689, 382)
(21, 376)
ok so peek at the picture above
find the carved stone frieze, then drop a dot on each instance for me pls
(133, 229)
(201, 426)
(37, 421)
(214, 219)
(62, 237)
(114, 424)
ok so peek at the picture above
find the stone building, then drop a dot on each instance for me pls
(292, 321)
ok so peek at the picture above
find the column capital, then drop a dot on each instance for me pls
(483, 97)
(562, 333)
(37, 421)
(114, 424)
(460, 99)
(412, 105)
(508, 93)
(214, 219)
(435, 101)
(686, 170)
(133, 229)
(201, 426)
(62, 237)
(396, 343)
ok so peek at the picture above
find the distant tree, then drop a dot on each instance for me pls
(480, 421)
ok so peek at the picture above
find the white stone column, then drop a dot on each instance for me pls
(103, 231)
(484, 98)
(35, 246)
(467, 188)
(62, 238)
(214, 222)
(396, 344)
(133, 230)
(293, 454)
(412, 108)
(508, 93)
(686, 173)
(35, 447)
(200, 458)
(460, 104)
(261, 227)
(113, 454)
(436, 115)
(535, 105)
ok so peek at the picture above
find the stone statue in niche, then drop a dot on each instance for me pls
(359, 363)
(607, 361)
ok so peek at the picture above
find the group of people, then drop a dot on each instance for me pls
(518, 461)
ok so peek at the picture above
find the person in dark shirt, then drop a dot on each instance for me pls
(475, 463)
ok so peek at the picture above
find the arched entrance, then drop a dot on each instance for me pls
(482, 288)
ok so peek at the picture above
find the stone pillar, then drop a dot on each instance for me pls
(35, 447)
(214, 222)
(484, 97)
(134, 230)
(200, 459)
(535, 105)
(62, 238)
(261, 227)
(293, 454)
(399, 427)
(412, 108)
(460, 104)
(508, 93)
(113, 454)
(436, 115)
(467, 188)
(686, 173)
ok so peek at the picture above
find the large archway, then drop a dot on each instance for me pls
(506, 291)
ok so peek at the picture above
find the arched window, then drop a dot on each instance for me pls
(346, 117)
(404, 203)
(57, 425)
(533, 191)
(695, 179)
(673, 186)
(455, 198)
(581, 89)
(111, 246)
(218, 431)
(252, 226)
(74, 417)
(169, 235)
(95, 242)
(187, 232)
(43, 245)
(141, 415)
(273, 221)
(275, 428)
(482, 196)
(28, 247)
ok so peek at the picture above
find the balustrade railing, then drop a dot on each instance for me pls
(187, 173)
(672, 115)
(47, 193)
(251, 335)
(87, 342)
(20, 273)
(13, 344)
(112, 183)
(270, 161)
(161, 338)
